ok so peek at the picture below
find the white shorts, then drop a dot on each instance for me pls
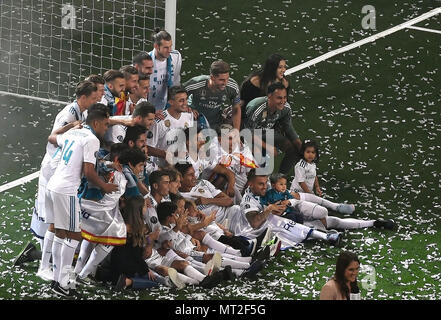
(63, 211)
(40, 203)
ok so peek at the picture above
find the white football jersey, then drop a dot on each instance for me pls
(68, 114)
(168, 131)
(304, 172)
(180, 241)
(117, 132)
(78, 146)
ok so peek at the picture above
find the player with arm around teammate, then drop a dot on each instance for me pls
(78, 157)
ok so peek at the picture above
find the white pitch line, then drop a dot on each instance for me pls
(364, 41)
(20, 181)
(425, 29)
(32, 98)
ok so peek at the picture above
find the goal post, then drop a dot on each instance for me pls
(48, 46)
(170, 19)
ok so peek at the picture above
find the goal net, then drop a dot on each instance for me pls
(47, 46)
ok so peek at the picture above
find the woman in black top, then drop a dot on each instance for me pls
(256, 84)
(128, 266)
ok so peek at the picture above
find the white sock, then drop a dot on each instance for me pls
(98, 254)
(237, 258)
(311, 209)
(318, 235)
(46, 251)
(349, 223)
(186, 280)
(199, 266)
(85, 251)
(57, 244)
(41, 242)
(319, 200)
(238, 272)
(219, 246)
(67, 255)
(193, 273)
(234, 264)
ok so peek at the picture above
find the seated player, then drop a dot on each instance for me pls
(236, 156)
(205, 158)
(258, 218)
(168, 216)
(199, 221)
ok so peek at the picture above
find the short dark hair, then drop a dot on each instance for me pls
(276, 177)
(132, 156)
(143, 77)
(97, 111)
(219, 67)
(175, 198)
(111, 75)
(164, 210)
(133, 133)
(143, 109)
(161, 35)
(156, 176)
(128, 71)
(85, 88)
(183, 167)
(96, 78)
(174, 90)
(172, 173)
(252, 175)
(116, 149)
(140, 57)
(310, 143)
(276, 86)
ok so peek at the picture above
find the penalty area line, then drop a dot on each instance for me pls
(359, 43)
(425, 29)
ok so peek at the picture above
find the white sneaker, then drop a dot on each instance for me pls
(213, 265)
(217, 261)
(45, 274)
(208, 269)
(173, 274)
(226, 223)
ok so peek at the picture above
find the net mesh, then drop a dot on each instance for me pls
(47, 46)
